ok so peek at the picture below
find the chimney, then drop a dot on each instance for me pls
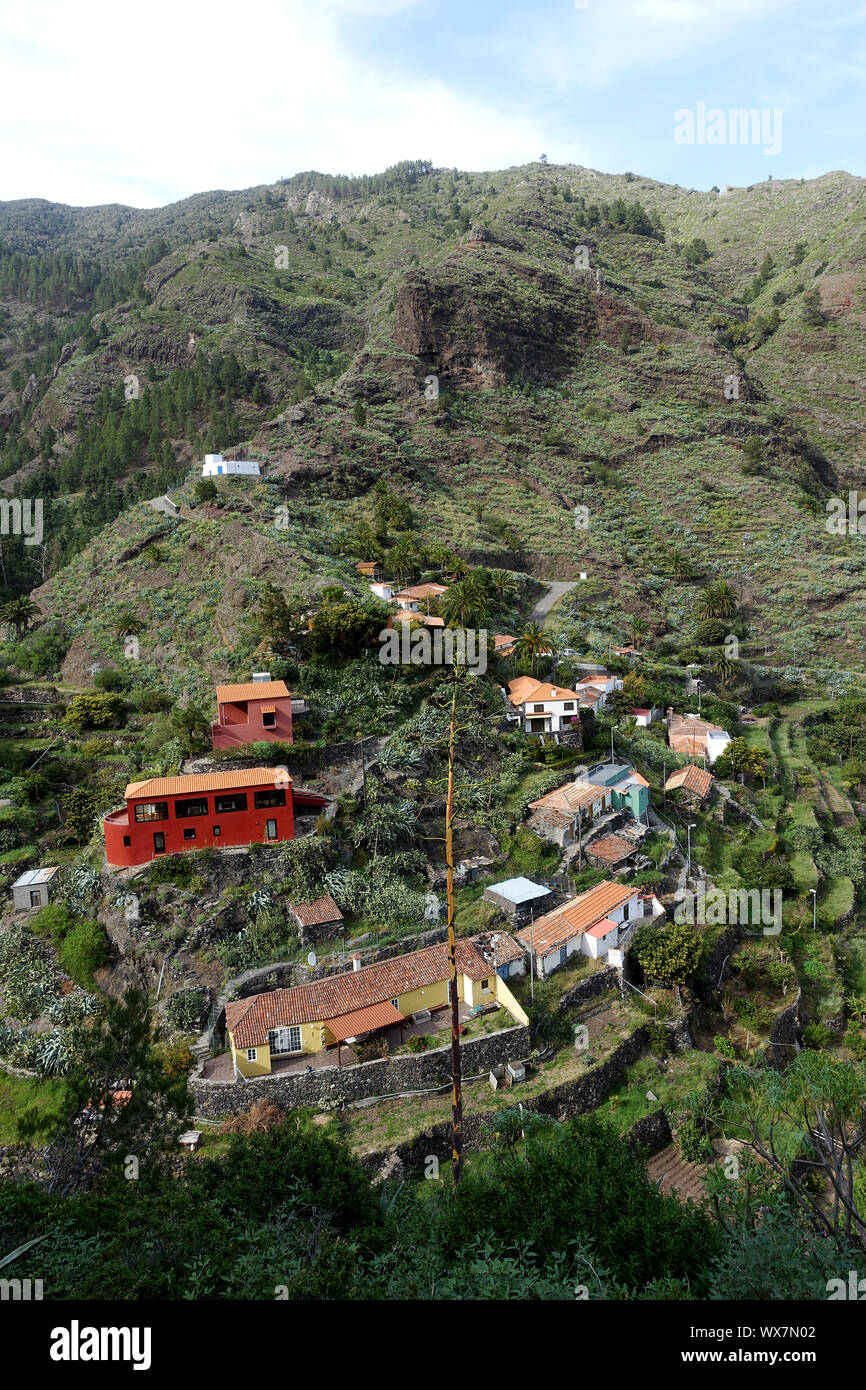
(356, 962)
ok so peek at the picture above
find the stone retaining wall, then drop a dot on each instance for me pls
(653, 1132)
(588, 989)
(384, 1076)
(563, 1102)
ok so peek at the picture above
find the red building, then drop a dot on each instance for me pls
(166, 815)
(258, 711)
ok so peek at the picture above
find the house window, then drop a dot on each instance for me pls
(198, 807)
(538, 709)
(189, 834)
(625, 912)
(152, 810)
(284, 1040)
(216, 832)
(251, 1054)
(269, 720)
(569, 704)
(158, 842)
(277, 797)
(396, 1003)
(485, 984)
(237, 801)
(127, 841)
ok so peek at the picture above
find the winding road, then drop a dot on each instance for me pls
(555, 591)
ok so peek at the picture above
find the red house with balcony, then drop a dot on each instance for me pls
(167, 815)
(258, 711)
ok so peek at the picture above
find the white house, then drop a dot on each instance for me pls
(603, 684)
(542, 708)
(215, 466)
(597, 921)
(383, 589)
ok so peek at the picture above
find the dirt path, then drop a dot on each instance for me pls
(555, 591)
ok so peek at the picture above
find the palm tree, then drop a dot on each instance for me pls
(18, 613)
(639, 629)
(717, 601)
(503, 584)
(402, 557)
(465, 601)
(726, 670)
(128, 624)
(532, 643)
(681, 566)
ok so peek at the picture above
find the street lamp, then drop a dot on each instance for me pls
(814, 893)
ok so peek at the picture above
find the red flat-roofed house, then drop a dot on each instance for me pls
(260, 711)
(166, 815)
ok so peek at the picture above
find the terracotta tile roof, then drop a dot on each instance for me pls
(253, 690)
(248, 1020)
(564, 923)
(364, 1021)
(526, 689)
(502, 640)
(206, 782)
(408, 615)
(419, 591)
(610, 849)
(572, 797)
(589, 697)
(690, 779)
(318, 911)
(602, 928)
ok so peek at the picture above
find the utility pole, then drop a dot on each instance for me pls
(532, 951)
(456, 1091)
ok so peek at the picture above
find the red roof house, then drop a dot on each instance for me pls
(259, 711)
(167, 815)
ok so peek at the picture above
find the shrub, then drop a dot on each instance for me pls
(816, 1035)
(185, 1008)
(417, 1043)
(110, 679)
(96, 748)
(694, 1145)
(659, 1040)
(725, 1047)
(93, 711)
(83, 950)
(79, 812)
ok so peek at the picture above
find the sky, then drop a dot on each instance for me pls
(146, 104)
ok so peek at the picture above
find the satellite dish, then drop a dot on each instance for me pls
(311, 959)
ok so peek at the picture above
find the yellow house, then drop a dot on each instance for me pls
(325, 1013)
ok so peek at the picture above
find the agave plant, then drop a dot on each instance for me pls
(259, 901)
(51, 1054)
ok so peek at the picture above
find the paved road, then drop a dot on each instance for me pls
(554, 593)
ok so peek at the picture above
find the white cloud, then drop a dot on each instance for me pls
(146, 105)
(590, 48)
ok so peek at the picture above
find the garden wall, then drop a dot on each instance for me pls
(563, 1102)
(384, 1076)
